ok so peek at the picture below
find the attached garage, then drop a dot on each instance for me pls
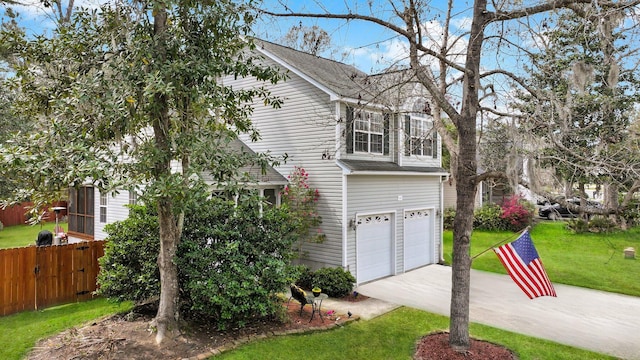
(374, 243)
(419, 247)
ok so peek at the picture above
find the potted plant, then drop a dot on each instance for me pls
(316, 291)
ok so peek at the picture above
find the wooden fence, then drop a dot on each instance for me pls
(16, 214)
(36, 277)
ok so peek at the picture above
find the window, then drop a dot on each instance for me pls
(81, 214)
(270, 196)
(133, 197)
(103, 208)
(367, 132)
(421, 139)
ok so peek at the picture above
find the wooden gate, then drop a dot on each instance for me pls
(33, 277)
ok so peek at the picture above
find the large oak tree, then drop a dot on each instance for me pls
(489, 27)
(131, 94)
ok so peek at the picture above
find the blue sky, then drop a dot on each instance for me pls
(367, 46)
(370, 47)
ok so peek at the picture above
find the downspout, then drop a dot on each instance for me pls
(337, 156)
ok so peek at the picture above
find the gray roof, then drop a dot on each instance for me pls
(387, 166)
(270, 176)
(390, 88)
(342, 79)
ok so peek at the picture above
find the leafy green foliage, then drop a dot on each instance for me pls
(488, 217)
(305, 277)
(335, 282)
(449, 216)
(232, 260)
(129, 269)
(514, 214)
(596, 224)
(124, 93)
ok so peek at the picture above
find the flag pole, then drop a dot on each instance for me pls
(500, 242)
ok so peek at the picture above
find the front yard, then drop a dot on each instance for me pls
(588, 260)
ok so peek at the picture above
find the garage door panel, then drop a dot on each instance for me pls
(418, 242)
(375, 247)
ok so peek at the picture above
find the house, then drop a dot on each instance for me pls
(368, 144)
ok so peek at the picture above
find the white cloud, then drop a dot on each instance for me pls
(463, 23)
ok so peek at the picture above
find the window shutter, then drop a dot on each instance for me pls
(434, 144)
(386, 137)
(349, 130)
(407, 135)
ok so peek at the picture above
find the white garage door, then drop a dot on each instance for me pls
(418, 239)
(374, 244)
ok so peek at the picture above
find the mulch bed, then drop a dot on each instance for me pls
(129, 337)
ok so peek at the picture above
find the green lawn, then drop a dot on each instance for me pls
(23, 235)
(394, 336)
(593, 261)
(587, 260)
(19, 332)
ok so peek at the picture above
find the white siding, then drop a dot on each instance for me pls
(304, 128)
(388, 193)
(116, 211)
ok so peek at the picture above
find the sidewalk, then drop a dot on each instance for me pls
(599, 321)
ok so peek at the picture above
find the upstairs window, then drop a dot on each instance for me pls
(367, 132)
(421, 138)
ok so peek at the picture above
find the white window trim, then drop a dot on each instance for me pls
(104, 201)
(425, 134)
(369, 117)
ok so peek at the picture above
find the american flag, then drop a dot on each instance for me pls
(523, 264)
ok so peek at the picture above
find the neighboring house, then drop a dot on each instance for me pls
(373, 156)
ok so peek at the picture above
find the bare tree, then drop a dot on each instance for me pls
(463, 110)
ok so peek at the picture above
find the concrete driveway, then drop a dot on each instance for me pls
(595, 320)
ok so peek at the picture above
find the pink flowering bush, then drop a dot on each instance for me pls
(302, 201)
(517, 213)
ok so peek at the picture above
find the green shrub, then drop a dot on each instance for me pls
(232, 260)
(595, 224)
(488, 217)
(577, 226)
(449, 216)
(305, 278)
(631, 213)
(335, 282)
(601, 224)
(129, 267)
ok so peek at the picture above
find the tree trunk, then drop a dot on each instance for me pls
(466, 185)
(166, 320)
(610, 200)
